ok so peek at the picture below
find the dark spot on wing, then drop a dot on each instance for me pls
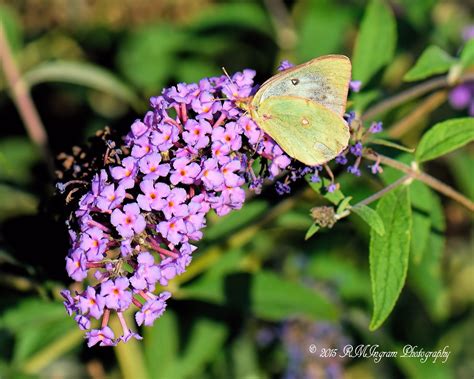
(294, 81)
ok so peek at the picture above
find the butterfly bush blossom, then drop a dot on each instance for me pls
(136, 227)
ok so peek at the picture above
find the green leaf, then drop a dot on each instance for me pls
(85, 74)
(245, 359)
(15, 202)
(422, 203)
(321, 20)
(445, 137)
(165, 331)
(363, 99)
(148, 56)
(371, 217)
(12, 27)
(35, 324)
(467, 54)
(247, 15)
(351, 280)
(389, 254)
(17, 157)
(432, 61)
(268, 296)
(375, 44)
(313, 229)
(191, 70)
(416, 11)
(426, 273)
(461, 163)
(275, 298)
(206, 340)
(223, 226)
(296, 219)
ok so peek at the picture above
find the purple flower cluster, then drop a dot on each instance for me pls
(136, 226)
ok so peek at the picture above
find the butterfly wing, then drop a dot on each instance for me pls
(324, 80)
(304, 129)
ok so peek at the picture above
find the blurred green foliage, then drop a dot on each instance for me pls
(253, 273)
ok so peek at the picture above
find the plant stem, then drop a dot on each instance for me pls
(375, 196)
(383, 191)
(423, 177)
(412, 93)
(22, 99)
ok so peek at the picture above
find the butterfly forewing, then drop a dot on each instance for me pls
(324, 80)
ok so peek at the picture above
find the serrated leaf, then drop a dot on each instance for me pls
(445, 137)
(433, 61)
(389, 253)
(85, 74)
(313, 229)
(467, 54)
(375, 44)
(371, 217)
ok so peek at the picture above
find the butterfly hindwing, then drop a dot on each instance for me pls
(305, 130)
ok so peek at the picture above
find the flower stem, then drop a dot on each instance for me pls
(423, 177)
(22, 99)
(412, 93)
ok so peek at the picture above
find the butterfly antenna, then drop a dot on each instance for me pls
(227, 74)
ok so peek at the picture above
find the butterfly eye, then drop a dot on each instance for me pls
(295, 81)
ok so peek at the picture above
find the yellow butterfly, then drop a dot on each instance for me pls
(301, 108)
